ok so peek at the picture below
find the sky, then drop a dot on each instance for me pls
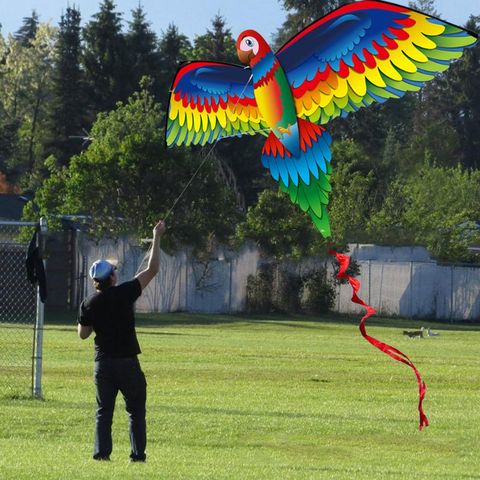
(193, 17)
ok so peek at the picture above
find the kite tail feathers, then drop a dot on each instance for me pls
(394, 353)
(306, 175)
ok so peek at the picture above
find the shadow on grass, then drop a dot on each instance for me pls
(63, 318)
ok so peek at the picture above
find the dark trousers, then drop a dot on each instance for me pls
(112, 375)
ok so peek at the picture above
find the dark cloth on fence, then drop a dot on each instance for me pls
(34, 265)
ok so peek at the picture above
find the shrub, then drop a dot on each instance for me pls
(285, 291)
(317, 294)
(259, 290)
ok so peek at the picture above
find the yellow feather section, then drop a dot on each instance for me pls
(388, 69)
(342, 88)
(173, 113)
(189, 115)
(420, 40)
(412, 52)
(204, 115)
(181, 116)
(400, 60)
(197, 121)
(189, 125)
(424, 25)
(357, 82)
(374, 76)
(325, 100)
(221, 117)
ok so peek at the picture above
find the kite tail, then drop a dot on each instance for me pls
(344, 261)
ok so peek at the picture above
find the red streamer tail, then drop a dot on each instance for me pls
(396, 354)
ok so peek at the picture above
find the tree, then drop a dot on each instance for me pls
(174, 49)
(425, 6)
(279, 228)
(462, 105)
(26, 90)
(439, 208)
(105, 59)
(67, 113)
(142, 47)
(356, 188)
(217, 44)
(27, 32)
(126, 180)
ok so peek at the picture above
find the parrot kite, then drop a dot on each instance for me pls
(362, 53)
(359, 54)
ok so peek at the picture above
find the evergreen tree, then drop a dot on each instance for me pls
(425, 6)
(105, 59)
(142, 46)
(174, 49)
(67, 115)
(217, 44)
(462, 93)
(26, 33)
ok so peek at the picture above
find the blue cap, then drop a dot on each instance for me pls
(101, 270)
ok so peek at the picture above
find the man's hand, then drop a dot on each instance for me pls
(159, 228)
(145, 276)
(83, 331)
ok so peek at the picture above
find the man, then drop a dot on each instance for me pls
(109, 312)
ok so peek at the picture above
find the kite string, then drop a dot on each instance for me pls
(207, 156)
(394, 353)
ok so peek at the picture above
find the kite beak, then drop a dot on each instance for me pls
(245, 57)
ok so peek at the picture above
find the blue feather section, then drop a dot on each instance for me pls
(305, 166)
(216, 80)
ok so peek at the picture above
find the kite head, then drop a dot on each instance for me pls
(251, 47)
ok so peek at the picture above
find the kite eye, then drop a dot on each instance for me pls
(248, 44)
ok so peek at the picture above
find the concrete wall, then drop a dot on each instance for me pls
(397, 281)
(417, 288)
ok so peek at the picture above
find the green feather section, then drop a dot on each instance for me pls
(403, 86)
(312, 199)
(381, 92)
(454, 42)
(452, 30)
(322, 223)
(438, 54)
(173, 132)
(417, 76)
(432, 66)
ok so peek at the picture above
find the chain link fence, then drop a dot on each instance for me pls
(18, 307)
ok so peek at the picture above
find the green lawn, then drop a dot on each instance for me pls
(259, 398)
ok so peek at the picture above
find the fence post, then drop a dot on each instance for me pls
(38, 347)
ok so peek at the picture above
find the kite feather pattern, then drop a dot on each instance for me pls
(362, 53)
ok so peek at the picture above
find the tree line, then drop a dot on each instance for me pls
(82, 117)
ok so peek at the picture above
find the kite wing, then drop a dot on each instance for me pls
(366, 52)
(209, 101)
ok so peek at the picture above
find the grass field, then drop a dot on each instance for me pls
(259, 398)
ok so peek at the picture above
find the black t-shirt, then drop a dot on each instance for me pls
(111, 315)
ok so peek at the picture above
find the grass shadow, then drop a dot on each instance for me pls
(62, 318)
